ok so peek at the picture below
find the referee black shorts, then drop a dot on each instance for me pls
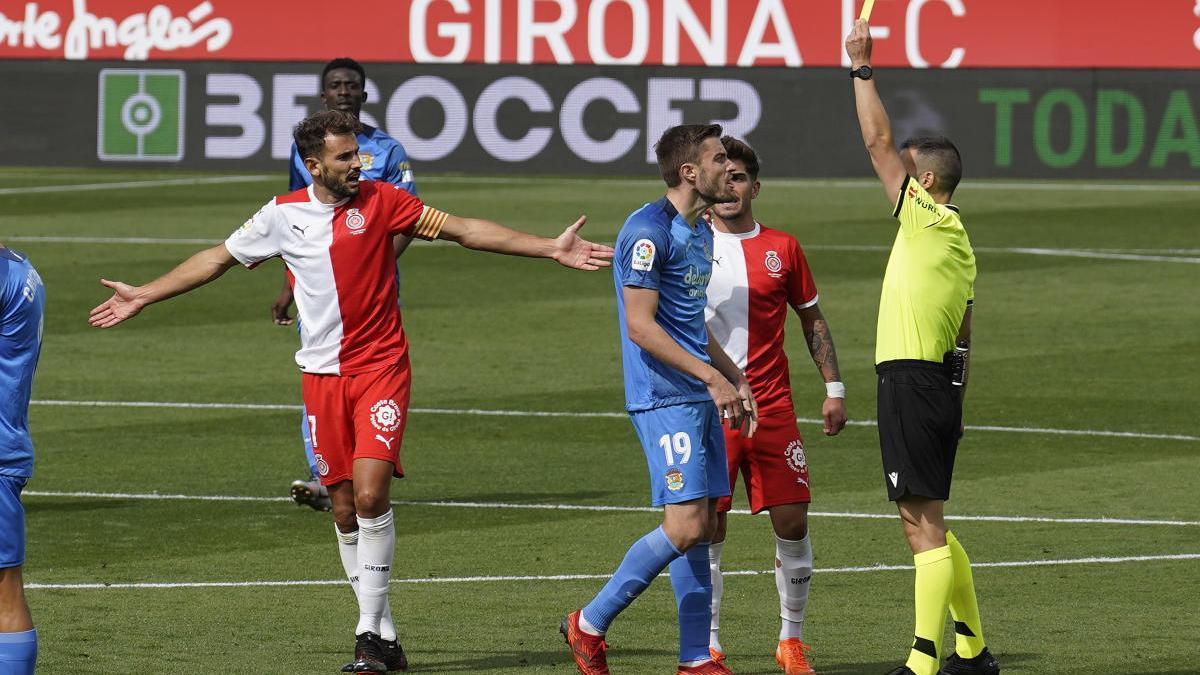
(920, 415)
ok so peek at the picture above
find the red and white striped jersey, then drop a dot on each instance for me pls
(755, 277)
(341, 258)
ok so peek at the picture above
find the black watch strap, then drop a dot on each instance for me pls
(862, 72)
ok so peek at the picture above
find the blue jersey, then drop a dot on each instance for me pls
(22, 302)
(383, 159)
(658, 249)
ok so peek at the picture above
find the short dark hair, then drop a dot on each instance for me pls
(681, 145)
(311, 132)
(739, 150)
(344, 62)
(944, 159)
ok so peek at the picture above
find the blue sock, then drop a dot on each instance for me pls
(692, 581)
(646, 559)
(18, 652)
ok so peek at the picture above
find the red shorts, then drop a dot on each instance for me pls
(353, 416)
(772, 463)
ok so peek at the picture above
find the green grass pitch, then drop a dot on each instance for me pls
(1095, 331)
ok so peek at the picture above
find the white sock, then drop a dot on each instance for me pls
(718, 589)
(376, 549)
(793, 570)
(587, 627)
(348, 549)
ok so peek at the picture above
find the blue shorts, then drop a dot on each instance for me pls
(12, 522)
(685, 452)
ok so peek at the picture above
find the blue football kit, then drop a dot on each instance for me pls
(384, 160)
(673, 414)
(22, 307)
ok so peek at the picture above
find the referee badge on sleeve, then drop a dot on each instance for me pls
(643, 255)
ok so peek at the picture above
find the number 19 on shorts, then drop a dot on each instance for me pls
(678, 444)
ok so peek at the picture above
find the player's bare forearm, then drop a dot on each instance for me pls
(820, 343)
(569, 249)
(872, 117)
(194, 272)
(201, 268)
(485, 235)
(653, 340)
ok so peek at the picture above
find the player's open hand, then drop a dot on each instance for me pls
(858, 44)
(833, 412)
(123, 304)
(574, 251)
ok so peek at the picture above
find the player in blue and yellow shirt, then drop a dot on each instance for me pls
(679, 386)
(923, 337)
(343, 87)
(22, 303)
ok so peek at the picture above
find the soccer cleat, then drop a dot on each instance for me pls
(312, 494)
(393, 655)
(587, 650)
(711, 667)
(717, 655)
(368, 655)
(790, 655)
(902, 670)
(983, 664)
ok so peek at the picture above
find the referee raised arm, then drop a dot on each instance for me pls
(920, 357)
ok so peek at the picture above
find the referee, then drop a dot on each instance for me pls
(921, 347)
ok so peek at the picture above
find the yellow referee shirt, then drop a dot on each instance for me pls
(929, 282)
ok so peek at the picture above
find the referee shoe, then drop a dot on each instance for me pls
(982, 664)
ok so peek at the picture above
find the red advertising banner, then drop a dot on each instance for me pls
(795, 33)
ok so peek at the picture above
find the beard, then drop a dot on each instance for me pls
(341, 187)
(715, 190)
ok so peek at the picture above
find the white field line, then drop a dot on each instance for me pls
(849, 183)
(136, 184)
(589, 577)
(608, 415)
(1137, 255)
(601, 508)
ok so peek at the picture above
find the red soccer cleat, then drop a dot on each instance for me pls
(587, 650)
(717, 655)
(790, 655)
(712, 667)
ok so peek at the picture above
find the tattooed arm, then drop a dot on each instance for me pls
(824, 355)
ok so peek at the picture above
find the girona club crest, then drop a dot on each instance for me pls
(796, 461)
(355, 221)
(385, 415)
(773, 263)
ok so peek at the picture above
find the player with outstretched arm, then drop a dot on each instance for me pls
(343, 87)
(922, 341)
(336, 239)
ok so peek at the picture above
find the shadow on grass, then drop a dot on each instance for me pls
(484, 661)
(1007, 660)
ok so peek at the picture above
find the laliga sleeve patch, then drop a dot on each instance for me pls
(643, 255)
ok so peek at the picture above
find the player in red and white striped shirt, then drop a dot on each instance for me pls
(757, 274)
(335, 236)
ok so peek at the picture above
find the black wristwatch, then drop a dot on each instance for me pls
(862, 72)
